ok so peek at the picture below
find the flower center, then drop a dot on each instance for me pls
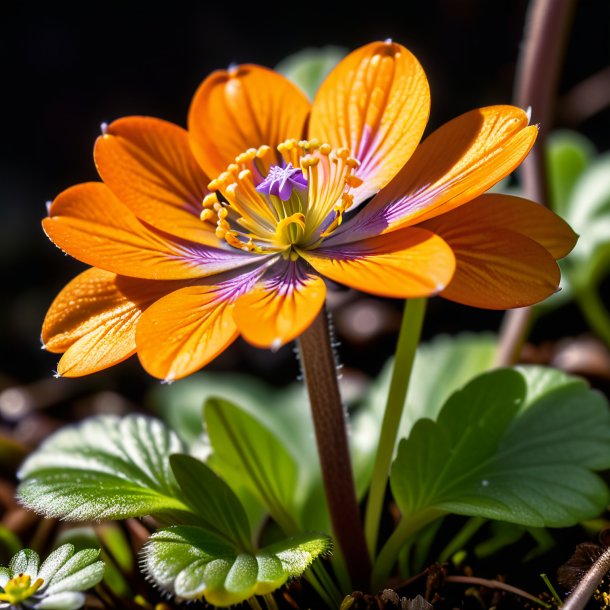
(261, 206)
(19, 588)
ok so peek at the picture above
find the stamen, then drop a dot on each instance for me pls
(297, 203)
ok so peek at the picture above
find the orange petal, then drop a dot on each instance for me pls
(495, 211)
(88, 222)
(496, 268)
(184, 331)
(93, 320)
(458, 162)
(281, 306)
(376, 104)
(244, 107)
(149, 166)
(404, 264)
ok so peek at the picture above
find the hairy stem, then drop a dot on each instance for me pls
(319, 371)
(583, 591)
(536, 86)
(408, 339)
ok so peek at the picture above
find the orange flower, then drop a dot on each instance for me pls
(177, 284)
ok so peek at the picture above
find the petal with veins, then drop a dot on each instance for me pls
(244, 107)
(93, 319)
(188, 328)
(458, 162)
(376, 104)
(404, 264)
(88, 222)
(283, 304)
(149, 166)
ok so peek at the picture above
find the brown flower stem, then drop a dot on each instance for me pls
(320, 374)
(578, 599)
(497, 584)
(538, 71)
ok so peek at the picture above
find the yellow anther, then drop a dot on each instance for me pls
(325, 149)
(209, 200)
(232, 239)
(353, 181)
(262, 151)
(207, 215)
(244, 174)
(223, 213)
(215, 185)
(309, 161)
(342, 153)
(351, 162)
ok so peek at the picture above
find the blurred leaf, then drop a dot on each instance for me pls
(12, 454)
(9, 541)
(104, 468)
(588, 213)
(494, 452)
(212, 499)
(309, 67)
(567, 155)
(193, 563)
(248, 453)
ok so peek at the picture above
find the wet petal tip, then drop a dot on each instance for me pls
(104, 128)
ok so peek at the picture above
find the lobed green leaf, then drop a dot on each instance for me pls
(194, 563)
(520, 446)
(104, 468)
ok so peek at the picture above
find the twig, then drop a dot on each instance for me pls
(496, 584)
(583, 591)
(536, 86)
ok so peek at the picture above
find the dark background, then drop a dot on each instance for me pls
(64, 71)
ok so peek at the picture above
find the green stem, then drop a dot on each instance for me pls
(595, 313)
(253, 603)
(319, 578)
(319, 371)
(471, 527)
(408, 339)
(387, 557)
(270, 602)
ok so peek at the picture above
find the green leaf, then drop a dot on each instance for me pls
(567, 155)
(309, 67)
(105, 468)
(247, 452)
(494, 452)
(193, 563)
(212, 499)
